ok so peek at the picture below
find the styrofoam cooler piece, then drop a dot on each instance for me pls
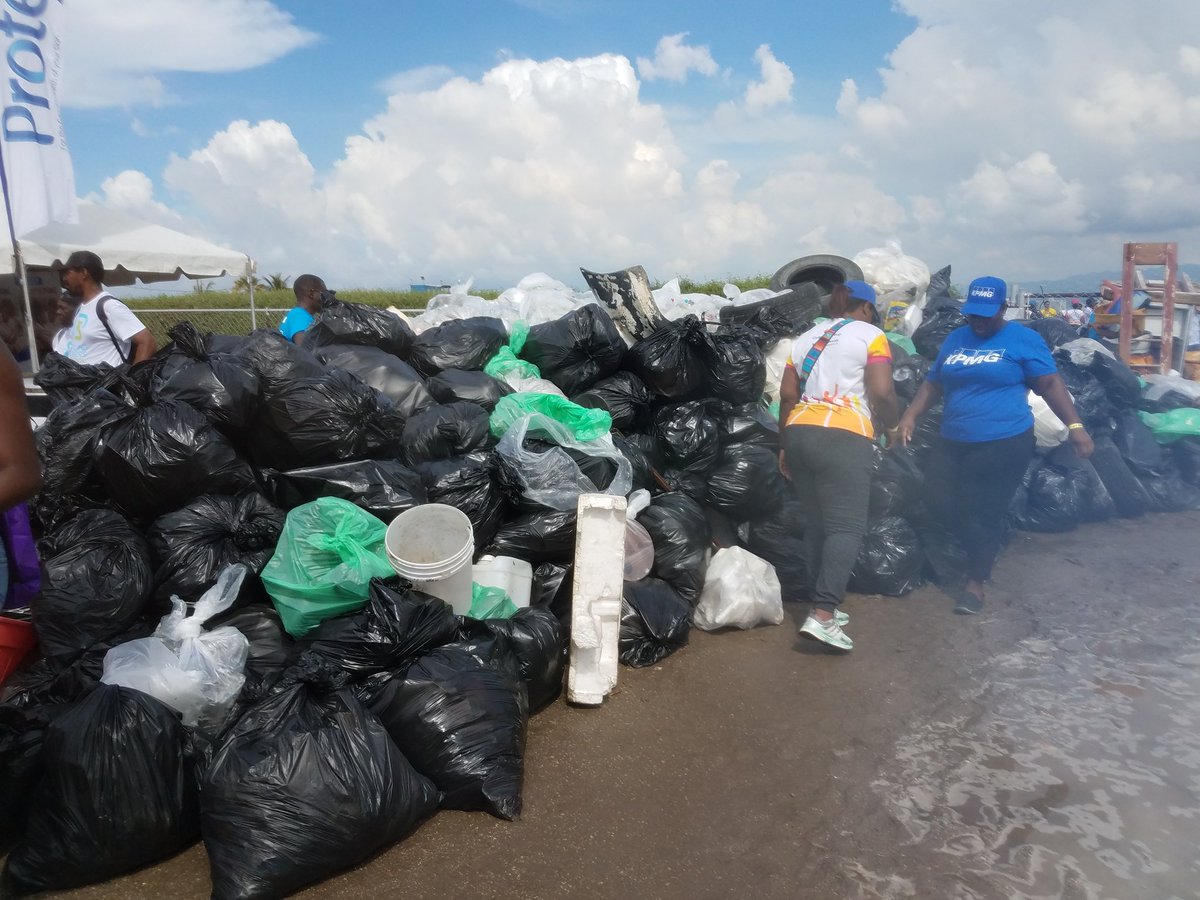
(596, 605)
(432, 546)
(513, 576)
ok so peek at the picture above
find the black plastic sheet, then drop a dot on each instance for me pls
(459, 344)
(576, 350)
(383, 487)
(543, 536)
(388, 374)
(451, 385)
(445, 430)
(1123, 486)
(655, 622)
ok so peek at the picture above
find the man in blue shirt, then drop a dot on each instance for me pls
(308, 290)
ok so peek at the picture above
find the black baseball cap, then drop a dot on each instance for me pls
(87, 260)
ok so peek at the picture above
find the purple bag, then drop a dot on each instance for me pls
(24, 568)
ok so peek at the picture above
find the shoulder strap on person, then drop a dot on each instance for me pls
(818, 348)
(104, 321)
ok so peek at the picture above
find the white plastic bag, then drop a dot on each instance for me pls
(776, 359)
(197, 673)
(639, 547)
(1084, 350)
(551, 477)
(740, 591)
(900, 283)
(1048, 429)
(1158, 386)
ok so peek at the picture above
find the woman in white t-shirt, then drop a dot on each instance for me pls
(838, 378)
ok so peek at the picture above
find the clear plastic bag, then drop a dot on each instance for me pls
(197, 673)
(639, 547)
(740, 591)
(1048, 429)
(551, 477)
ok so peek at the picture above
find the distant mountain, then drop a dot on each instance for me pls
(1090, 281)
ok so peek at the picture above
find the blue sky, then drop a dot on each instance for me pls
(384, 141)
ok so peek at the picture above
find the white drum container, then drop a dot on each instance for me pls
(511, 575)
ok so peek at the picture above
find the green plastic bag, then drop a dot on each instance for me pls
(327, 554)
(584, 424)
(903, 341)
(490, 603)
(506, 361)
(1170, 426)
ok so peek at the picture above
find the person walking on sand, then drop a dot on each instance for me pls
(984, 371)
(838, 377)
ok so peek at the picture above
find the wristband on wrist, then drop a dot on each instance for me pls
(1075, 426)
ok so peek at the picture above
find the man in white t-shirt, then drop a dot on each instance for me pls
(103, 329)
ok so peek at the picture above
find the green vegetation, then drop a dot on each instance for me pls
(717, 285)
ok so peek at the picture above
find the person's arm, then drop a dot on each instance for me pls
(881, 393)
(928, 394)
(1052, 389)
(20, 471)
(789, 395)
(142, 346)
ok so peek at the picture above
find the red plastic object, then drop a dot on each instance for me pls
(16, 640)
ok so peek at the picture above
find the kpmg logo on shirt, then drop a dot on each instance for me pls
(974, 357)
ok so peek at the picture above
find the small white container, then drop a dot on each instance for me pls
(511, 575)
(432, 546)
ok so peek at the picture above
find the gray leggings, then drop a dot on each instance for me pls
(831, 469)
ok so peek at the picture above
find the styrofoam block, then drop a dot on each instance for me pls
(596, 605)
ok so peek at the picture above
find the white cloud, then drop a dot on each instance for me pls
(775, 85)
(117, 50)
(1028, 196)
(673, 60)
(423, 78)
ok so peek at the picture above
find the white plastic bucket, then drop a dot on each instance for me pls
(511, 575)
(432, 546)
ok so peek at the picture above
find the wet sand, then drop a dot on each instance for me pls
(1046, 748)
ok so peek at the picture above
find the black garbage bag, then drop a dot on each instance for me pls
(547, 535)
(22, 734)
(534, 638)
(681, 535)
(942, 314)
(1121, 384)
(576, 350)
(1091, 400)
(672, 360)
(896, 483)
(358, 324)
(1167, 489)
(1186, 452)
(907, 377)
(445, 430)
(769, 324)
(642, 452)
(693, 484)
(458, 344)
(383, 487)
(277, 361)
(552, 589)
(890, 561)
(735, 367)
(945, 556)
(66, 446)
(396, 626)
(272, 651)
(623, 396)
(461, 722)
(96, 580)
(307, 784)
(390, 375)
(1141, 452)
(655, 622)
(689, 435)
(153, 459)
(193, 544)
(1055, 332)
(779, 539)
(119, 790)
(64, 380)
(746, 483)
(333, 417)
(467, 484)
(452, 385)
(1123, 486)
(748, 424)
(1059, 492)
(222, 386)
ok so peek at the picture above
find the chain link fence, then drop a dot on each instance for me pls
(217, 321)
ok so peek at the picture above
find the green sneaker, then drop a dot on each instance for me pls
(829, 633)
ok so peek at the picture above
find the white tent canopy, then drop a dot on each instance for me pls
(131, 249)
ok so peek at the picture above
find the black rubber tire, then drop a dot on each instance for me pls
(824, 270)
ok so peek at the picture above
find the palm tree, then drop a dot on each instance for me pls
(241, 284)
(277, 282)
(202, 287)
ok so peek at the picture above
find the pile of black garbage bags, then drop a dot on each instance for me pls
(159, 476)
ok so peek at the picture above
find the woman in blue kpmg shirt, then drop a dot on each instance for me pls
(984, 371)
